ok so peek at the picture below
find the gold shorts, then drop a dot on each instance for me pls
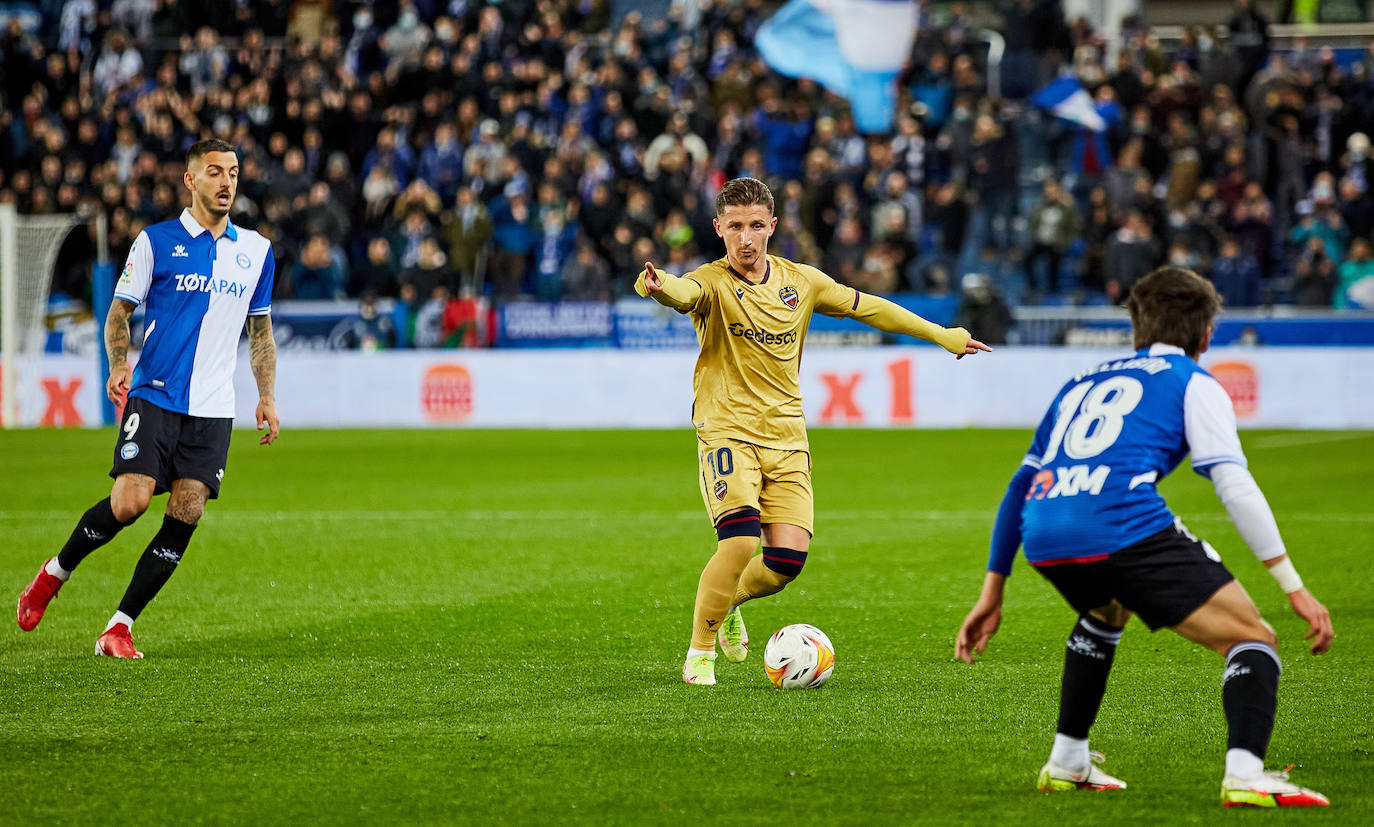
(737, 475)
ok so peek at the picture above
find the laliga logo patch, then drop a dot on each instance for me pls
(789, 297)
(721, 488)
(129, 450)
(243, 260)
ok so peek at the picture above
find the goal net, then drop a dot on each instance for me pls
(28, 250)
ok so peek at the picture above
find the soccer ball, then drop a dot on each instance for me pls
(799, 656)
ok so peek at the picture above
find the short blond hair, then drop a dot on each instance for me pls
(744, 192)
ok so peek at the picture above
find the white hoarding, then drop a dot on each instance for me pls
(597, 388)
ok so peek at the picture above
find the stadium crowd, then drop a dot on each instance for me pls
(439, 151)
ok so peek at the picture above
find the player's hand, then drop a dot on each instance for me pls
(649, 281)
(267, 418)
(978, 628)
(1317, 617)
(117, 387)
(973, 347)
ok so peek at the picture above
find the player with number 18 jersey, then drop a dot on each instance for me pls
(1085, 505)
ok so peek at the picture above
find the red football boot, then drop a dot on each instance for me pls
(117, 642)
(34, 600)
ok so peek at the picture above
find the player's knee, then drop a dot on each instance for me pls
(742, 523)
(1264, 633)
(128, 504)
(784, 563)
(187, 508)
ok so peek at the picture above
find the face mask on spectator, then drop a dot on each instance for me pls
(362, 20)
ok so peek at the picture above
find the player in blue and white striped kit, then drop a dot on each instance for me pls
(199, 279)
(1086, 508)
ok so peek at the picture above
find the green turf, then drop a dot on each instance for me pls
(488, 627)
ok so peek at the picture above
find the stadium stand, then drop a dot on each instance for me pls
(449, 157)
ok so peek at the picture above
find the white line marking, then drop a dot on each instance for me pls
(1306, 439)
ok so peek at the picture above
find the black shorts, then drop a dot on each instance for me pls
(1163, 578)
(168, 446)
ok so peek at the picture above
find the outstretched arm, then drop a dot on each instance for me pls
(117, 350)
(1254, 520)
(262, 357)
(983, 619)
(667, 289)
(886, 316)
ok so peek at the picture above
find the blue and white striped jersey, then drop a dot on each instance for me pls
(197, 291)
(1110, 436)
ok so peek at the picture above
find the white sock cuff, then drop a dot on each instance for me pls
(1242, 763)
(1255, 646)
(55, 569)
(696, 653)
(118, 618)
(1069, 753)
(1105, 634)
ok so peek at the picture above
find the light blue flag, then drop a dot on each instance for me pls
(854, 48)
(1067, 99)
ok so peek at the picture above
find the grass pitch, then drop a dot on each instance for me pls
(478, 626)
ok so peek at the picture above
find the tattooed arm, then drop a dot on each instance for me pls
(117, 350)
(262, 357)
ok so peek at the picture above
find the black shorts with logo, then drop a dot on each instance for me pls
(1163, 578)
(168, 446)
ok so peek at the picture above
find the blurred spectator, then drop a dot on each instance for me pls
(467, 229)
(1237, 276)
(553, 247)
(403, 314)
(321, 272)
(982, 308)
(119, 62)
(1320, 222)
(378, 274)
(1054, 225)
(587, 276)
(1355, 284)
(513, 234)
(1131, 254)
(397, 158)
(1315, 275)
(430, 268)
(845, 255)
(1250, 38)
(441, 163)
(1098, 229)
(204, 64)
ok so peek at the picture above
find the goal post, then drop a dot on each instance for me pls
(28, 250)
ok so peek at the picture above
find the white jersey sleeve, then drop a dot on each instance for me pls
(138, 272)
(1209, 423)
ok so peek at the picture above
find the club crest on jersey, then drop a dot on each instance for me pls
(179, 251)
(129, 450)
(789, 297)
(721, 488)
(243, 260)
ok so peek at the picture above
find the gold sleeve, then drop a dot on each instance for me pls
(878, 312)
(678, 293)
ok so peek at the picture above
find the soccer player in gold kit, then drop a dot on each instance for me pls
(751, 312)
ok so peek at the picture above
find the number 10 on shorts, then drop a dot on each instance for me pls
(722, 462)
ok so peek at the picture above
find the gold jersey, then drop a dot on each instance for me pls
(746, 382)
